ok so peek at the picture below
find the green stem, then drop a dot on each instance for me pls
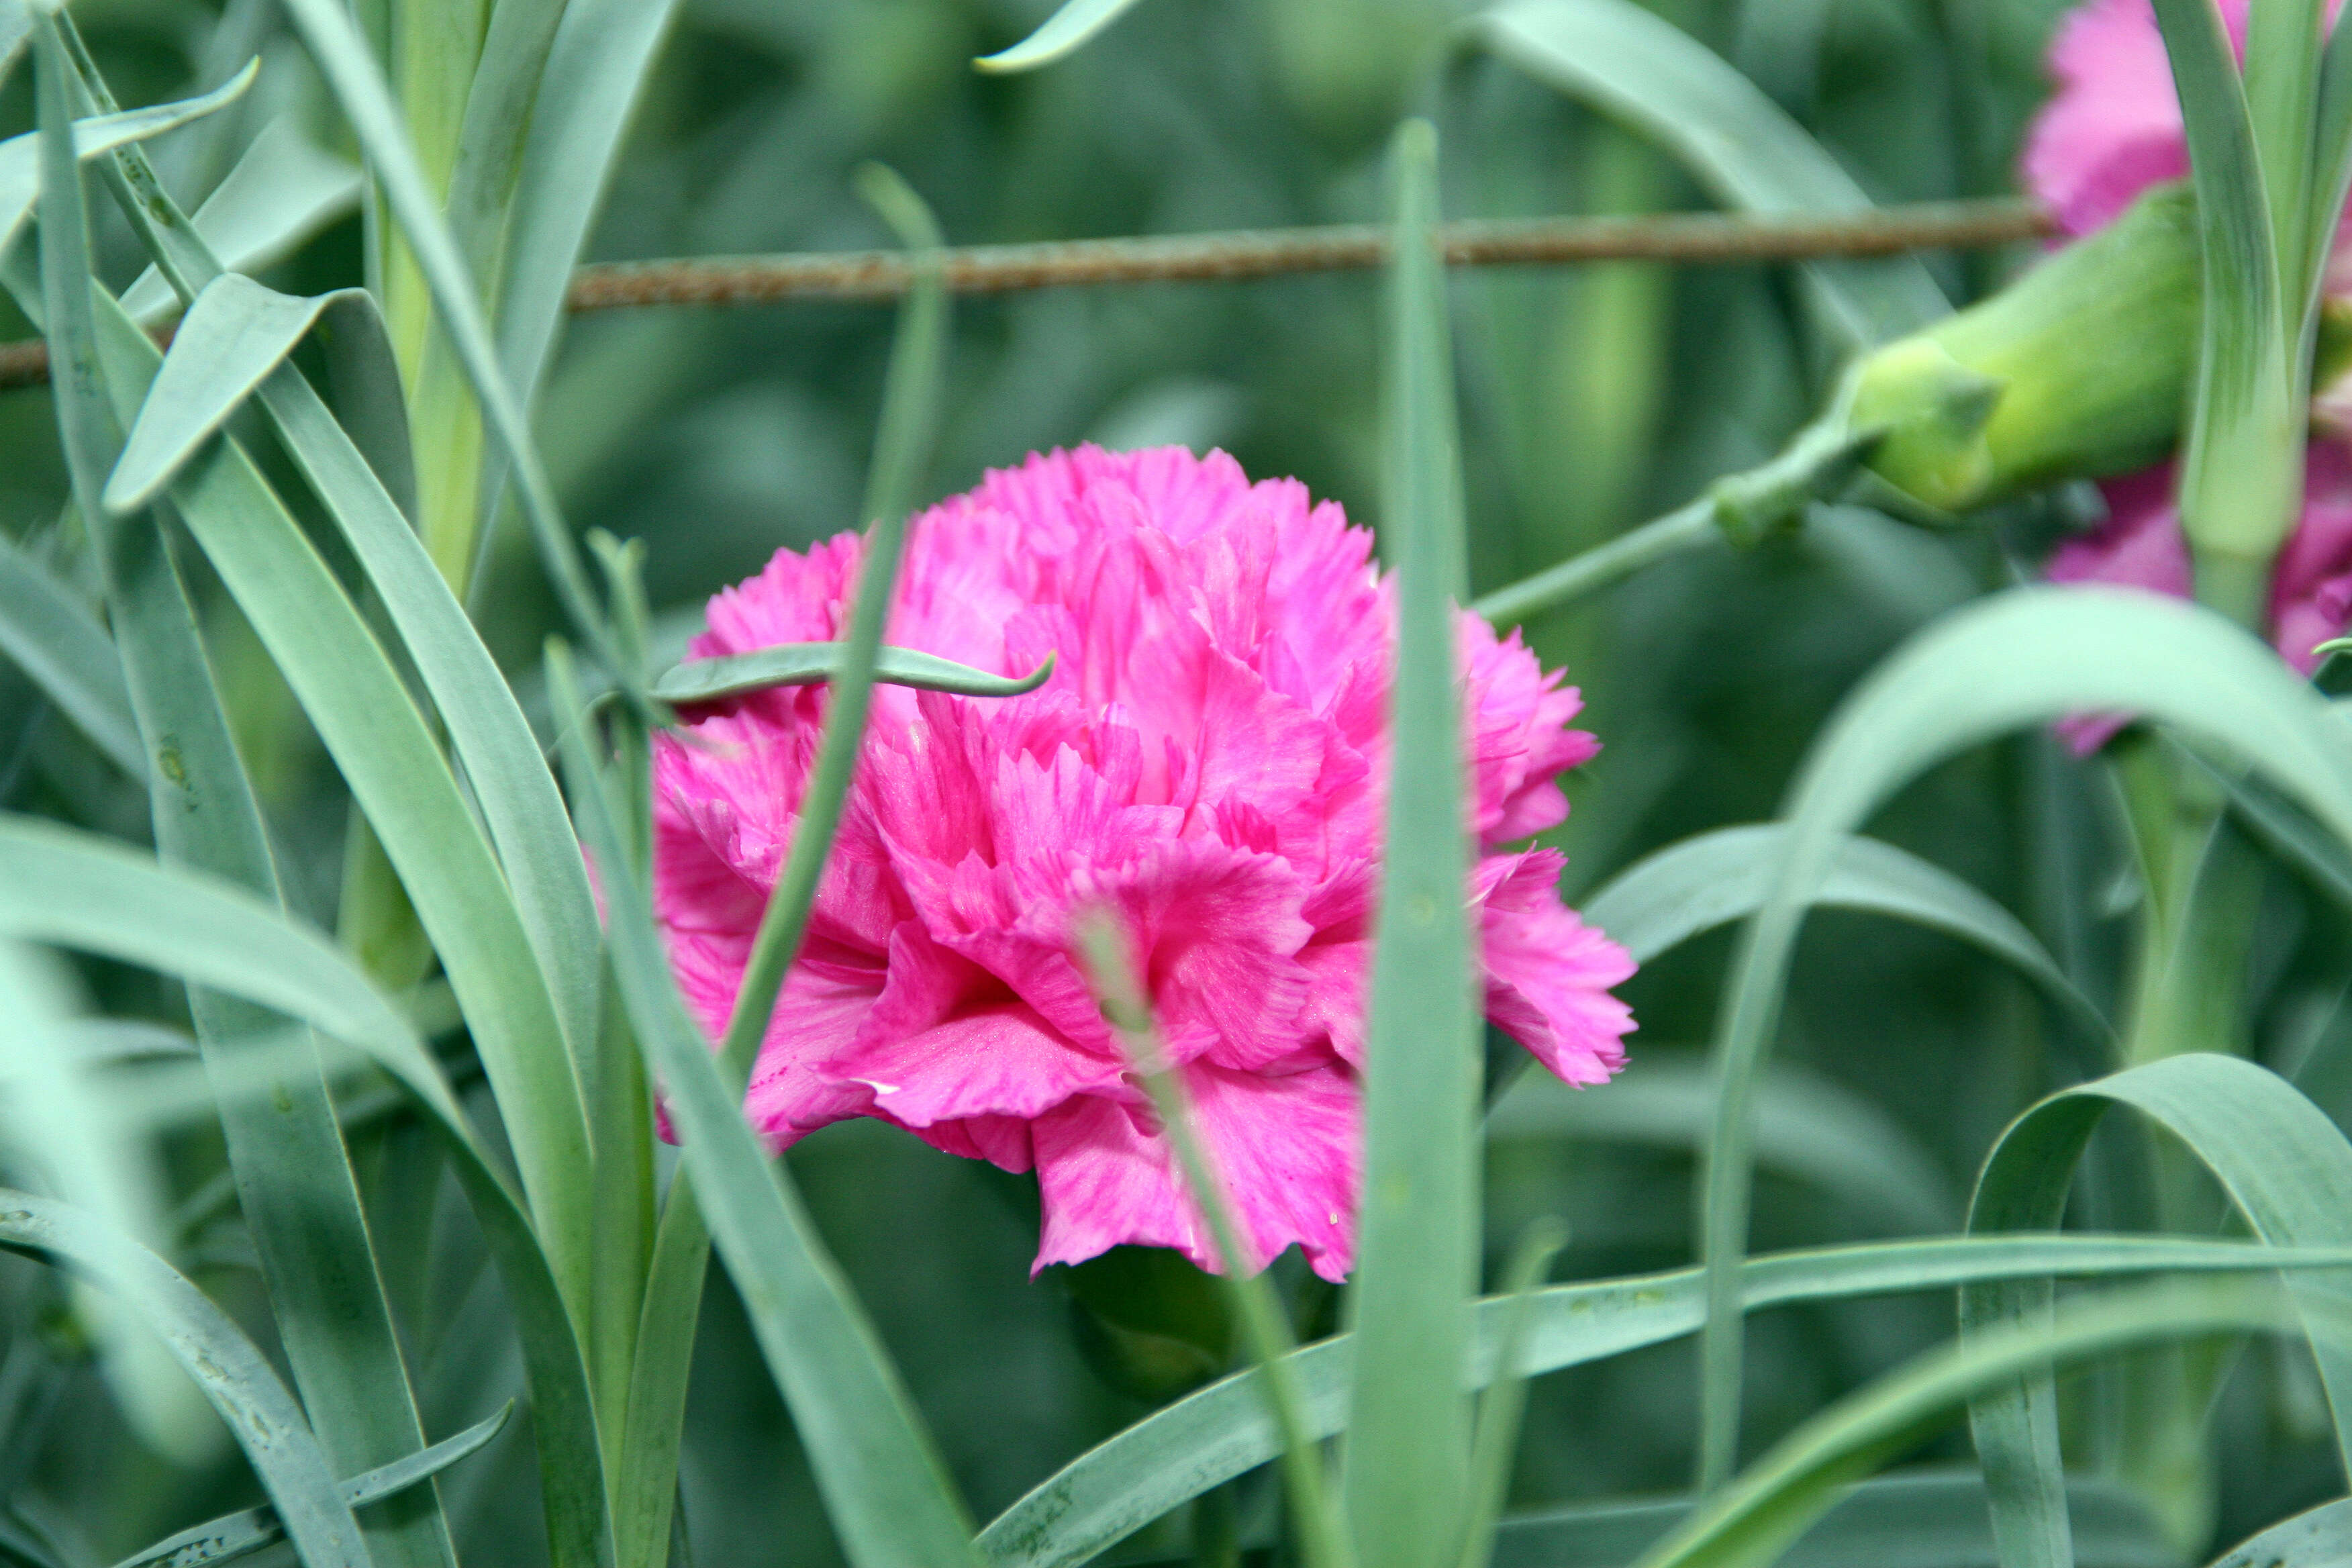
(1689, 527)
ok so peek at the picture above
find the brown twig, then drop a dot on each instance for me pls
(1265, 253)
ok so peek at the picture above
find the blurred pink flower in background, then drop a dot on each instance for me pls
(1207, 760)
(2111, 129)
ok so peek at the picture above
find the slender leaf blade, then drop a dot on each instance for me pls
(809, 663)
(1406, 1484)
(1063, 33)
(52, 638)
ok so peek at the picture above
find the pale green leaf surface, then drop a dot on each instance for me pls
(1405, 1486)
(1211, 1436)
(233, 1374)
(885, 1487)
(2320, 1538)
(235, 1535)
(1063, 33)
(233, 336)
(2021, 657)
(1641, 70)
(48, 633)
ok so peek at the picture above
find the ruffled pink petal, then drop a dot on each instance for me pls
(1286, 1151)
(1549, 974)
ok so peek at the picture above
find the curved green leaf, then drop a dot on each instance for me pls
(1754, 1520)
(236, 1534)
(1060, 34)
(1807, 1126)
(20, 157)
(233, 336)
(2021, 657)
(2321, 1537)
(1669, 87)
(2278, 1156)
(1716, 877)
(233, 1375)
(808, 663)
(56, 642)
(1209, 1437)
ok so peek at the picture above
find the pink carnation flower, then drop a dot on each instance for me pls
(2111, 129)
(1207, 761)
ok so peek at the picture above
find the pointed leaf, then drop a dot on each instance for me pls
(236, 1534)
(20, 171)
(1063, 33)
(283, 189)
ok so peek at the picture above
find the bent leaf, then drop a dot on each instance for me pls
(809, 663)
(1060, 34)
(1716, 877)
(20, 156)
(236, 1534)
(283, 189)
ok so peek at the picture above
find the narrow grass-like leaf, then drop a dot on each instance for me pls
(233, 1374)
(235, 1535)
(2278, 1156)
(809, 663)
(498, 119)
(1064, 32)
(45, 630)
(1406, 1487)
(2241, 473)
(283, 189)
(1641, 70)
(2332, 159)
(358, 82)
(213, 934)
(1110, 964)
(1911, 1519)
(2024, 657)
(1725, 875)
(1807, 1127)
(1211, 1436)
(16, 32)
(884, 1487)
(2320, 1538)
(20, 157)
(1754, 1520)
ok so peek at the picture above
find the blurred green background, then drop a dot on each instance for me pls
(1593, 398)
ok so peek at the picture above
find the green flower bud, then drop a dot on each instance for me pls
(2080, 368)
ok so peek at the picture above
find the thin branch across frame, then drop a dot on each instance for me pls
(1267, 253)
